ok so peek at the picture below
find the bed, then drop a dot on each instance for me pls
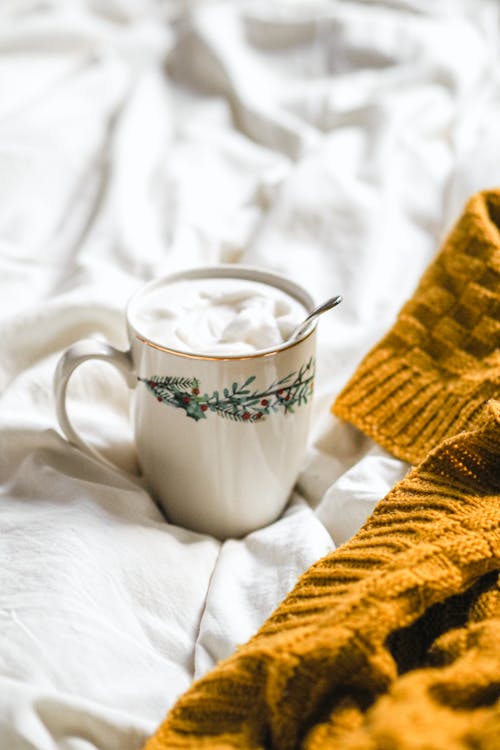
(334, 143)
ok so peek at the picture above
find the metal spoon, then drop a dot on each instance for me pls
(319, 310)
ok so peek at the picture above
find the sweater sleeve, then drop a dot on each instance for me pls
(431, 375)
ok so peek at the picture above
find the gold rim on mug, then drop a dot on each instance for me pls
(220, 358)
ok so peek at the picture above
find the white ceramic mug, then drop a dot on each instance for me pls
(220, 439)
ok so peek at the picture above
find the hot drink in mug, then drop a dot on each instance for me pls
(222, 401)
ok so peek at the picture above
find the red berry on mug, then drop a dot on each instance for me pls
(264, 402)
(246, 415)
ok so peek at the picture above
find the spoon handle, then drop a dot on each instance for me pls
(319, 310)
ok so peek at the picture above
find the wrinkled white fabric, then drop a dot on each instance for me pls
(335, 142)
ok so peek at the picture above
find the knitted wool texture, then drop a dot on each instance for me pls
(431, 375)
(391, 641)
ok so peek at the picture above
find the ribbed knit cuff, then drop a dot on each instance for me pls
(404, 409)
(431, 375)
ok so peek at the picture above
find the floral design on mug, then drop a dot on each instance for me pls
(238, 403)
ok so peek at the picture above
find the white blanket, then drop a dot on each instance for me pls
(334, 142)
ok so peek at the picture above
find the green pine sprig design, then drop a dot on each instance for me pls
(238, 403)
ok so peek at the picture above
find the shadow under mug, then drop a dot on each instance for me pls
(220, 439)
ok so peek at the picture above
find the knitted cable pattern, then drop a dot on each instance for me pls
(431, 375)
(390, 642)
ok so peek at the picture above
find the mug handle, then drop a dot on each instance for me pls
(69, 361)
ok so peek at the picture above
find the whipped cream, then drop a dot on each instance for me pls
(218, 316)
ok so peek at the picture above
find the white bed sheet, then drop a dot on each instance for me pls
(332, 141)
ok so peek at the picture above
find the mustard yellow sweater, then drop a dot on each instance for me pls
(392, 642)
